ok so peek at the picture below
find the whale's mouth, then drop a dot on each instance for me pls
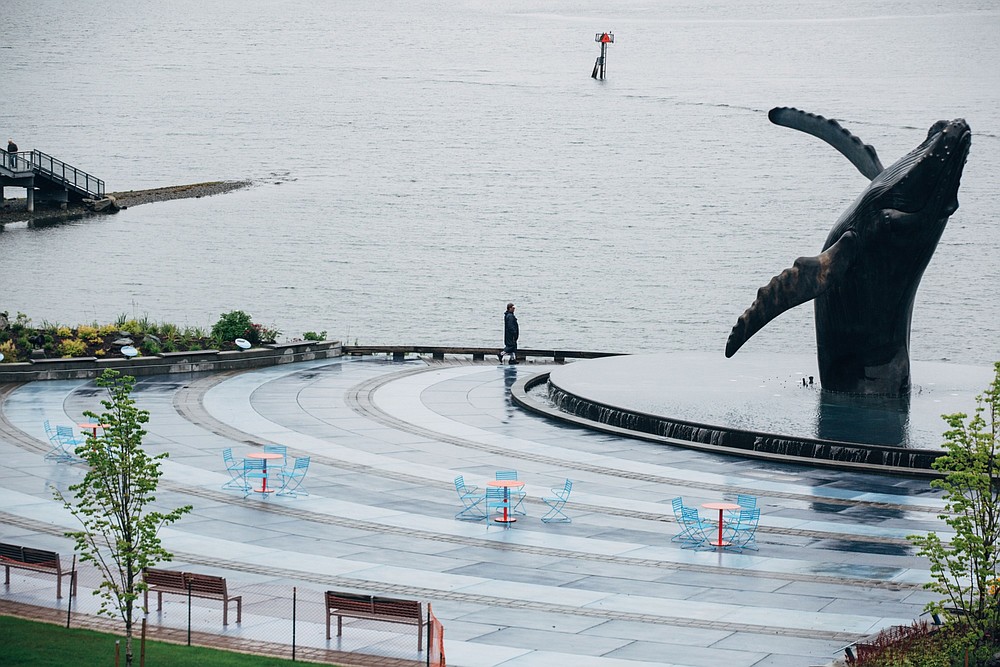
(926, 181)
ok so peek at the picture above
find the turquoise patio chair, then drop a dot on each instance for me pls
(472, 501)
(699, 531)
(278, 449)
(254, 470)
(516, 495)
(496, 502)
(235, 470)
(291, 480)
(689, 525)
(64, 445)
(556, 503)
(746, 502)
(742, 534)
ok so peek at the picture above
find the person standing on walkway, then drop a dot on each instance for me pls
(12, 149)
(510, 333)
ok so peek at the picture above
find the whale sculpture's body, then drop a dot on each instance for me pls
(865, 280)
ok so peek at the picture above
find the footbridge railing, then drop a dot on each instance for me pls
(65, 174)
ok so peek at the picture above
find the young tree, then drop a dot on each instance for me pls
(113, 503)
(964, 571)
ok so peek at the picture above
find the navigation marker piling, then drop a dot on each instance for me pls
(602, 38)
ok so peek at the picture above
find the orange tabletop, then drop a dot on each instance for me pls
(89, 426)
(507, 485)
(266, 456)
(722, 507)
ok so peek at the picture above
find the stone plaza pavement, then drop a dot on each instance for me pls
(386, 440)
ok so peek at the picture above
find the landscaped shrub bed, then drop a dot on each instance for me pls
(19, 339)
(923, 645)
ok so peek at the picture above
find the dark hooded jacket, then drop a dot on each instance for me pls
(510, 330)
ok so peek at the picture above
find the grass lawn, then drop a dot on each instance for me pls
(33, 644)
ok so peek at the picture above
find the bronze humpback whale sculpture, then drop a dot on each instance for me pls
(865, 279)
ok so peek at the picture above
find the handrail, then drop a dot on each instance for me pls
(21, 161)
(67, 174)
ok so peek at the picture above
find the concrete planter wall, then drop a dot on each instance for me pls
(81, 368)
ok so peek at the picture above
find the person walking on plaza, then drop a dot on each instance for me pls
(12, 149)
(510, 333)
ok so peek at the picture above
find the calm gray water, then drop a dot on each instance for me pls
(419, 164)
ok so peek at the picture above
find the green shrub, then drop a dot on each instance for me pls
(231, 326)
(132, 327)
(89, 334)
(72, 347)
(312, 335)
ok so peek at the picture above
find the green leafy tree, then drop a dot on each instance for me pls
(964, 570)
(113, 502)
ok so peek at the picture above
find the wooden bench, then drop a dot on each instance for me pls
(390, 610)
(35, 560)
(198, 585)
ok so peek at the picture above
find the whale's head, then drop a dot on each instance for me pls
(915, 196)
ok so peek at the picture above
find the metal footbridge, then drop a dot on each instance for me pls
(47, 178)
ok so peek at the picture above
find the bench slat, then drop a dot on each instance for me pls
(390, 610)
(11, 551)
(35, 560)
(196, 585)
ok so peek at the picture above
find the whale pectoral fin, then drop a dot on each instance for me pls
(861, 155)
(805, 280)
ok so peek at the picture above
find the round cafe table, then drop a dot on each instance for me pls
(722, 507)
(266, 456)
(89, 426)
(506, 485)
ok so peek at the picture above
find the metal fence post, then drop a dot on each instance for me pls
(142, 645)
(294, 607)
(72, 586)
(189, 611)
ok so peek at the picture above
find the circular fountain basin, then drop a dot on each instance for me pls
(768, 404)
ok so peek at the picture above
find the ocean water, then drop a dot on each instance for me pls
(418, 164)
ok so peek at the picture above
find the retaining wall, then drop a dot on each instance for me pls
(81, 368)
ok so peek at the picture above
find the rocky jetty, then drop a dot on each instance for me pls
(14, 210)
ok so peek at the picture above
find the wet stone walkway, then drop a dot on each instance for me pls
(386, 440)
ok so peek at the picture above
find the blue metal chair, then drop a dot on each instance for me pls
(746, 502)
(689, 531)
(496, 501)
(516, 495)
(64, 444)
(278, 449)
(472, 501)
(742, 534)
(291, 480)
(235, 470)
(699, 531)
(56, 451)
(556, 504)
(253, 469)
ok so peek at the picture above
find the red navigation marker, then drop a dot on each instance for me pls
(602, 38)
